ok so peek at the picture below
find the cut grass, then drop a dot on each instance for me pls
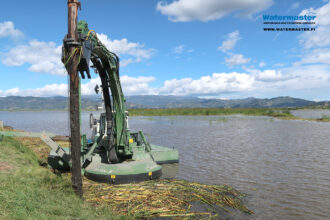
(168, 198)
(32, 192)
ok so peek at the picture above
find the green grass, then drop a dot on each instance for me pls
(282, 113)
(324, 118)
(28, 191)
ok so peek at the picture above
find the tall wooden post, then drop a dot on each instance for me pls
(72, 68)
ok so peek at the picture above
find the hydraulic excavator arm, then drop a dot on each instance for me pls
(113, 154)
(106, 64)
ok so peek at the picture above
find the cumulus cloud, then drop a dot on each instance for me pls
(7, 29)
(319, 55)
(43, 57)
(318, 38)
(48, 90)
(230, 41)
(316, 44)
(262, 64)
(227, 45)
(271, 80)
(138, 85)
(321, 36)
(207, 10)
(271, 75)
(321, 13)
(298, 78)
(130, 86)
(215, 84)
(303, 78)
(122, 47)
(236, 59)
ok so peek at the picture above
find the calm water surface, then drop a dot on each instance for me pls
(311, 113)
(283, 166)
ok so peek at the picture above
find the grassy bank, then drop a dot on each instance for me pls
(29, 191)
(283, 113)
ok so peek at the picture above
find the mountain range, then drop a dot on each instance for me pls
(155, 101)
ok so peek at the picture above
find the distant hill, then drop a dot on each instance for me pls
(153, 101)
(193, 102)
(41, 103)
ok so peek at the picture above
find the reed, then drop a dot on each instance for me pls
(211, 111)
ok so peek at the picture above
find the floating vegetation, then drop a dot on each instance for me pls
(166, 198)
(276, 112)
(323, 118)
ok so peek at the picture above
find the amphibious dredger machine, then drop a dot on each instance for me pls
(114, 154)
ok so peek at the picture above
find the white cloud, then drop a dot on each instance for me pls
(137, 85)
(297, 78)
(272, 81)
(215, 84)
(130, 85)
(179, 49)
(125, 62)
(236, 59)
(206, 10)
(227, 45)
(7, 29)
(43, 57)
(48, 90)
(230, 41)
(322, 14)
(271, 75)
(316, 43)
(321, 36)
(304, 78)
(318, 38)
(137, 51)
(262, 64)
(319, 55)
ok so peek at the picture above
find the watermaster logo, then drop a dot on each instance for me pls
(289, 22)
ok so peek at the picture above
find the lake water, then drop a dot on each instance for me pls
(313, 113)
(282, 166)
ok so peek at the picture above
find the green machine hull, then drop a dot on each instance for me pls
(143, 166)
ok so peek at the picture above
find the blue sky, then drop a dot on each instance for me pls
(204, 48)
